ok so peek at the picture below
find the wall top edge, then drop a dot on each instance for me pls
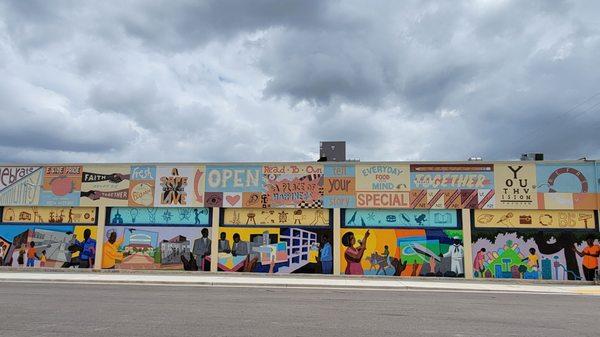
(589, 161)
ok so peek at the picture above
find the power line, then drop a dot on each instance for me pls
(564, 115)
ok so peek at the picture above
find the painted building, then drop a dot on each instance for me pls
(523, 219)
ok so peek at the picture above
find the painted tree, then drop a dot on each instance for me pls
(563, 241)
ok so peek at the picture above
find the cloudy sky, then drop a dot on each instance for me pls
(267, 80)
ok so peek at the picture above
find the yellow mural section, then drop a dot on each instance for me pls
(54, 215)
(534, 219)
(276, 217)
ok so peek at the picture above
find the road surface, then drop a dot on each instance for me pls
(44, 309)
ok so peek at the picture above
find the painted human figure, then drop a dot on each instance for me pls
(197, 216)
(353, 255)
(110, 251)
(456, 253)
(532, 260)
(478, 261)
(201, 250)
(224, 244)
(326, 255)
(87, 249)
(590, 256)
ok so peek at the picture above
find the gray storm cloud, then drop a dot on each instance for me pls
(266, 80)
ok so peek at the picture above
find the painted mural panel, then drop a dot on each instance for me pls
(275, 217)
(382, 186)
(153, 247)
(141, 186)
(180, 186)
(566, 186)
(515, 186)
(402, 252)
(157, 238)
(400, 218)
(105, 185)
(534, 219)
(240, 178)
(49, 215)
(557, 245)
(340, 186)
(235, 186)
(50, 237)
(20, 185)
(535, 254)
(61, 186)
(293, 186)
(452, 186)
(165, 216)
(289, 249)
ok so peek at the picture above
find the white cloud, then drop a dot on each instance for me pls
(267, 80)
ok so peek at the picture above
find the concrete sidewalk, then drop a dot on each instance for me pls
(304, 281)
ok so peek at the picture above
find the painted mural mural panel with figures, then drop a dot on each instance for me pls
(402, 243)
(549, 245)
(157, 238)
(276, 241)
(48, 237)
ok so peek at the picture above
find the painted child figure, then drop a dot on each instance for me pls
(43, 259)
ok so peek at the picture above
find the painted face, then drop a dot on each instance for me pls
(352, 240)
(113, 237)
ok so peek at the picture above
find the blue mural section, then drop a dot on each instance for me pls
(143, 172)
(401, 218)
(159, 216)
(566, 178)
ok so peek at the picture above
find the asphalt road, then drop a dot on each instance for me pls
(30, 309)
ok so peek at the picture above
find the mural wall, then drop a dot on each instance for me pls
(52, 237)
(157, 238)
(276, 241)
(517, 185)
(550, 245)
(402, 243)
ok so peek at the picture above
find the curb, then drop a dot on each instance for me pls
(397, 285)
(4, 269)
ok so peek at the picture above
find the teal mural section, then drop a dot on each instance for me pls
(401, 218)
(159, 216)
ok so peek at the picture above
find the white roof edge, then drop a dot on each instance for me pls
(475, 162)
